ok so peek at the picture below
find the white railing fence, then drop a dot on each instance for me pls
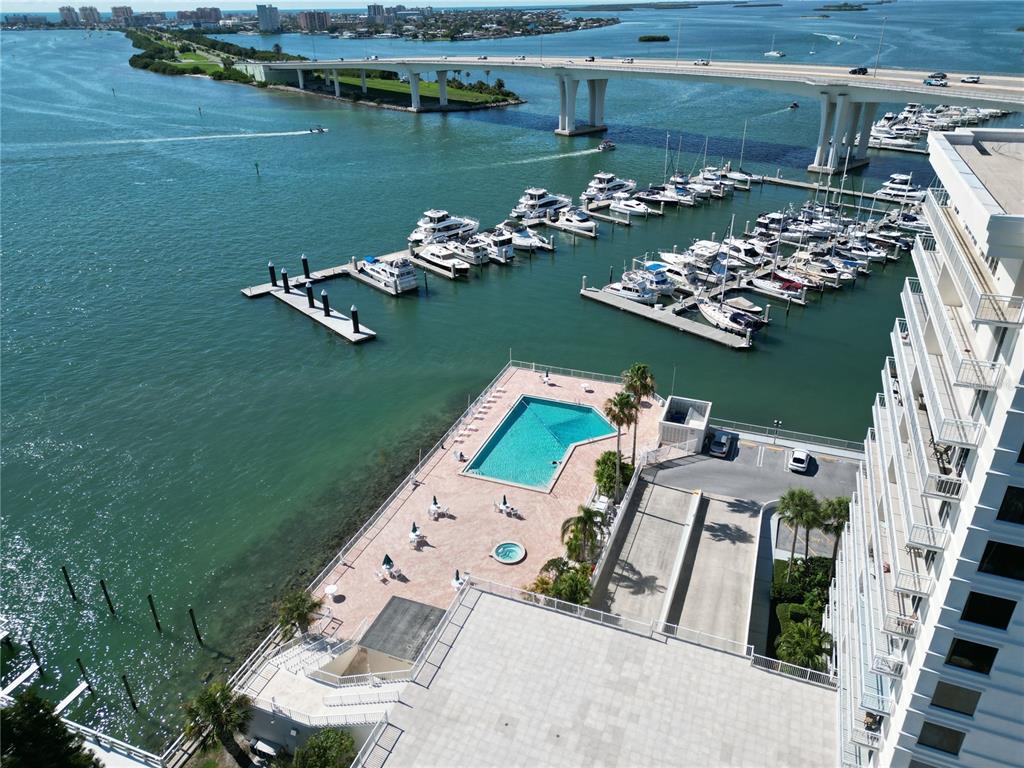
(785, 434)
(792, 670)
(371, 742)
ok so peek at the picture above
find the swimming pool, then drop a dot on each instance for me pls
(527, 448)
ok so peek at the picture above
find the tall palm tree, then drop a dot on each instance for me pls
(585, 526)
(618, 408)
(639, 382)
(296, 610)
(803, 643)
(797, 507)
(835, 514)
(219, 712)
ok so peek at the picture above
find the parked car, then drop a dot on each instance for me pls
(628, 60)
(800, 462)
(589, 58)
(721, 444)
(970, 79)
(701, 63)
(935, 81)
(859, 71)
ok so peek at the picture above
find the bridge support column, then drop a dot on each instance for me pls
(337, 85)
(867, 119)
(595, 96)
(827, 113)
(567, 102)
(836, 153)
(362, 80)
(414, 90)
(442, 87)
(302, 79)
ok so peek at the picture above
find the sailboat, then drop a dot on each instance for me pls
(812, 47)
(773, 52)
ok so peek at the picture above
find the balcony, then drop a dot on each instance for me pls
(972, 276)
(948, 423)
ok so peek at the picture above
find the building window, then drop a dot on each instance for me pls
(1001, 559)
(971, 656)
(1012, 508)
(989, 610)
(955, 698)
(942, 738)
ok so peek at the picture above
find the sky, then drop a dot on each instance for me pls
(50, 6)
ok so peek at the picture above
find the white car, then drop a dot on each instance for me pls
(519, 58)
(800, 462)
(628, 60)
(721, 444)
(701, 63)
(970, 79)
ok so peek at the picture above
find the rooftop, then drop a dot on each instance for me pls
(996, 159)
(614, 697)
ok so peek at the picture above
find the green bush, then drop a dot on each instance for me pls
(790, 612)
(604, 473)
(330, 748)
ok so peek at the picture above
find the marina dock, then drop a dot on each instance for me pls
(667, 317)
(814, 186)
(346, 327)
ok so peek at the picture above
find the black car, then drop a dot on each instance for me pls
(589, 58)
(937, 76)
(859, 71)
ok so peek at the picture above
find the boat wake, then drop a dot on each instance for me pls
(837, 39)
(208, 137)
(545, 158)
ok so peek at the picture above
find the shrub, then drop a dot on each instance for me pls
(330, 748)
(604, 473)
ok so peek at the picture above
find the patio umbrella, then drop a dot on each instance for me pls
(435, 501)
(414, 528)
(504, 500)
(456, 574)
(388, 562)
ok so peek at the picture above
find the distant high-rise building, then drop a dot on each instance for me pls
(208, 14)
(270, 18)
(314, 21)
(374, 12)
(121, 13)
(69, 16)
(89, 14)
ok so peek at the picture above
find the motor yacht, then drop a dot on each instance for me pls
(537, 204)
(911, 222)
(663, 193)
(687, 258)
(801, 280)
(707, 250)
(857, 249)
(577, 220)
(604, 185)
(803, 261)
(473, 250)
(765, 245)
(681, 275)
(436, 226)
(655, 277)
(441, 256)
(742, 251)
(526, 239)
(607, 145)
(499, 245)
(623, 203)
(396, 275)
(638, 291)
(773, 221)
(899, 187)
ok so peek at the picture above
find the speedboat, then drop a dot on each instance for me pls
(687, 258)
(622, 203)
(607, 145)
(397, 275)
(742, 251)
(803, 261)
(699, 189)
(860, 250)
(663, 193)
(577, 220)
(899, 187)
(537, 205)
(638, 291)
(654, 275)
(707, 250)
(436, 226)
(526, 239)
(318, 129)
(773, 221)
(440, 255)
(604, 185)
(725, 317)
(472, 251)
(911, 222)
(765, 245)
(499, 245)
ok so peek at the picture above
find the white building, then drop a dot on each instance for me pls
(929, 637)
(69, 16)
(89, 14)
(269, 18)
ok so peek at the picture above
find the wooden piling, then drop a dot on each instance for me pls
(106, 594)
(128, 690)
(195, 626)
(81, 668)
(152, 607)
(67, 578)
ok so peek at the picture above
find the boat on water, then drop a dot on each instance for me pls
(801, 280)
(318, 129)
(681, 275)
(526, 239)
(663, 193)
(607, 145)
(605, 185)
(440, 255)
(773, 52)
(793, 104)
(686, 258)
(744, 305)
(741, 251)
(900, 187)
(780, 288)
(773, 221)
(499, 245)
(765, 245)
(860, 250)
(473, 250)
(638, 291)
(623, 203)
(725, 317)
(577, 220)
(396, 275)
(655, 277)
(436, 226)
(910, 222)
(537, 205)
(804, 261)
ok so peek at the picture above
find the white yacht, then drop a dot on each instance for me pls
(604, 185)
(773, 52)
(803, 261)
(622, 203)
(472, 251)
(860, 251)
(686, 259)
(899, 187)
(436, 226)
(638, 291)
(664, 193)
(655, 277)
(396, 275)
(764, 245)
(681, 275)
(742, 251)
(537, 204)
(777, 288)
(706, 250)
(440, 255)
(499, 245)
(526, 239)
(577, 220)
(725, 317)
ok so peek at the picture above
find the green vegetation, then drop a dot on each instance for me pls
(475, 93)
(330, 748)
(296, 610)
(198, 38)
(638, 380)
(33, 736)
(161, 55)
(207, 66)
(798, 508)
(608, 468)
(799, 596)
(218, 712)
(620, 409)
(563, 580)
(805, 644)
(653, 38)
(835, 513)
(580, 533)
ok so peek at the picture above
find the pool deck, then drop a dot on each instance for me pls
(465, 539)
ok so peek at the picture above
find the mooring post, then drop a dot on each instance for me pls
(71, 588)
(35, 654)
(453, 270)
(81, 668)
(106, 594)
(273, 273)
(284, 280)
(195, 626)
(355, 319)
(305, 267)
(128, 689)
(426, 288)
(326, 302)
(611, 273)
(309, 295)
(152, 607)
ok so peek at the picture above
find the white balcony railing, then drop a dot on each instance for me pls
(967, 369)
(971, 275)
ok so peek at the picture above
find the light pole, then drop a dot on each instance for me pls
(881, 37)
(778, 425)
(679, 29)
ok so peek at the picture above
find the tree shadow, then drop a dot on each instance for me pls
(627, 576)
(728, 532)
(748, 507)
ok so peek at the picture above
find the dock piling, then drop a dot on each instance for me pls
(355, 319)
(326, 302)
(309, 295)
(284, 280)
(273, 273)
(305, 267)
(71, 588)
(35, 655)
(128, 689)
(195, 626)
(81, 668)
(106, 594)
(152, 608)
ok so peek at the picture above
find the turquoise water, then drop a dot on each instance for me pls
(509, 552)
(530, 442)
(163, 433)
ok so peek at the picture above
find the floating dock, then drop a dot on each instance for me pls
(345, 327)
(667, 317)
(830, 190)
(569, 230)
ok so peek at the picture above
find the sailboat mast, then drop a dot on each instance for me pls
(743, 145)
(664, 172)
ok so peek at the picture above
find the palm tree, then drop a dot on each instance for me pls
(639, 382)
(618, 408)
(585, 527)
(835, 514)
(297, 609)
(803, 643)
(797, 507)
(220, 712)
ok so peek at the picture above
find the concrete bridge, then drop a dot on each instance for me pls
(848, 103)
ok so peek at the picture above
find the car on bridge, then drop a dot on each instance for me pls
(519, 58)
(628, 60)
(589, 58)
(859, 71)
(940, 82)
(970, 79)
(702, 63)
(937, 76)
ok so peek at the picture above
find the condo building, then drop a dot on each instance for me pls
(89, 14)
(269, 18)
(924, 610)
(69, 16)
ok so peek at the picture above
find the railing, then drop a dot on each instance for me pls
(915, 583)
(865, 737)
(968, 370)
(986, 307)
(371, 742)
(903, 626)
(558, 371)
(113, 745)
(357, 698)
(704, 639)
(316, 721)
(366, 678)
(792, 670)
(786, 434)
(623, 505)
